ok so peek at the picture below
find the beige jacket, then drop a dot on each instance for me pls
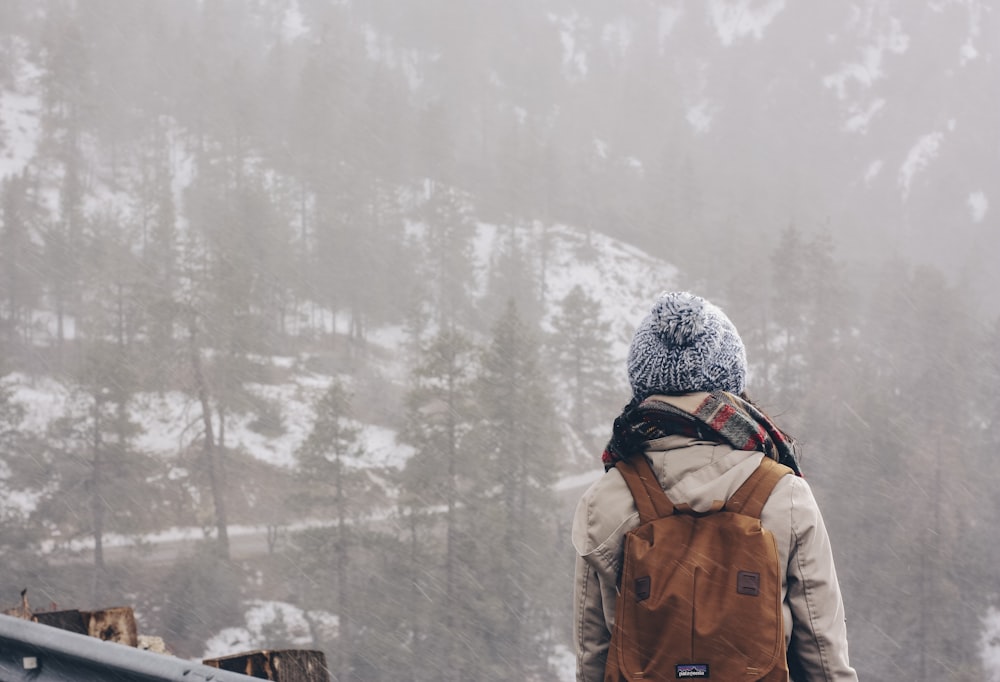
(698, 473)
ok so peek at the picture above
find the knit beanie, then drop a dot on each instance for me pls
(685, 345)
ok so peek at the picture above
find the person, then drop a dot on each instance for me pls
(690, 417)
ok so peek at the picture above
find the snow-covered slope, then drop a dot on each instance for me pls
(623, 279)
(19, 115)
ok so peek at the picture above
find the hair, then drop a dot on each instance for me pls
(746, 396)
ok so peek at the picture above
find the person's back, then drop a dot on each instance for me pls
(703, 443)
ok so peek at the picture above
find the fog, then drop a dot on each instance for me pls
(313, 315)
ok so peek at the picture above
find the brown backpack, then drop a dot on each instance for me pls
(700, 594)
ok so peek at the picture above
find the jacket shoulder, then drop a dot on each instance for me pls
(605, 512)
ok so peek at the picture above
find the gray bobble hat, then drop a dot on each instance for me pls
(685, 345)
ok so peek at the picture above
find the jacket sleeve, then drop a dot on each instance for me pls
(591, 632)
(598, 556)
(818, 647)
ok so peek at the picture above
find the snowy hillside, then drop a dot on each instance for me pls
(622, 278)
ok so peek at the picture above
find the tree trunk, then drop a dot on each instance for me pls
(451, 669)
(97, 504)
(211, 458)
(344, 637)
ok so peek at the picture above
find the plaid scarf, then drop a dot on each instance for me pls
(722, 417)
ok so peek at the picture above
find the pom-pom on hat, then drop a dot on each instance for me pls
(685, 345)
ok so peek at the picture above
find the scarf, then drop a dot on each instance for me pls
(722, 417)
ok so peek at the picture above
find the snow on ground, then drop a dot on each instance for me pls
(294, 24)
(734, 20)
(175, 534)
(381, 448)
(172, 420)
(919, 157)
(45, 327)
(270, 621)
(196, 534)
(874, 168)
(883, 41)
(968, 51)
(574, 59)
(699, 116)
(854, 80)
(20, 125)
(622, 278)
(860, 117)
(978, 206)
(43, 399)
(564, 662)
(295, 401)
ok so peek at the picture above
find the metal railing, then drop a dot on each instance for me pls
(39, 653)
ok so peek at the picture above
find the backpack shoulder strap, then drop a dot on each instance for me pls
(649, 497)
(750, 498)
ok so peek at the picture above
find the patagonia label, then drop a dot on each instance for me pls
(692, 670)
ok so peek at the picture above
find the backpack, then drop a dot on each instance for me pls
(700, 594)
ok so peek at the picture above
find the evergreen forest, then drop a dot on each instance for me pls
(324, 304)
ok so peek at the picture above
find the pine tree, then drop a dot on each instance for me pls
(789, 307)
(20, 258)
(339, 489)
(98, 482)
(202, 276)
(513, 277)
(981, 463)
(581, 348)
(322, 109)
(21, 477)
(911, 455)
(234, 275)
(438, 475)
(94, 463)
(513, 443)
(213, 452)
(804, 336)
(447, 265)
(370, 255)
(159, 254)
(68, 103)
